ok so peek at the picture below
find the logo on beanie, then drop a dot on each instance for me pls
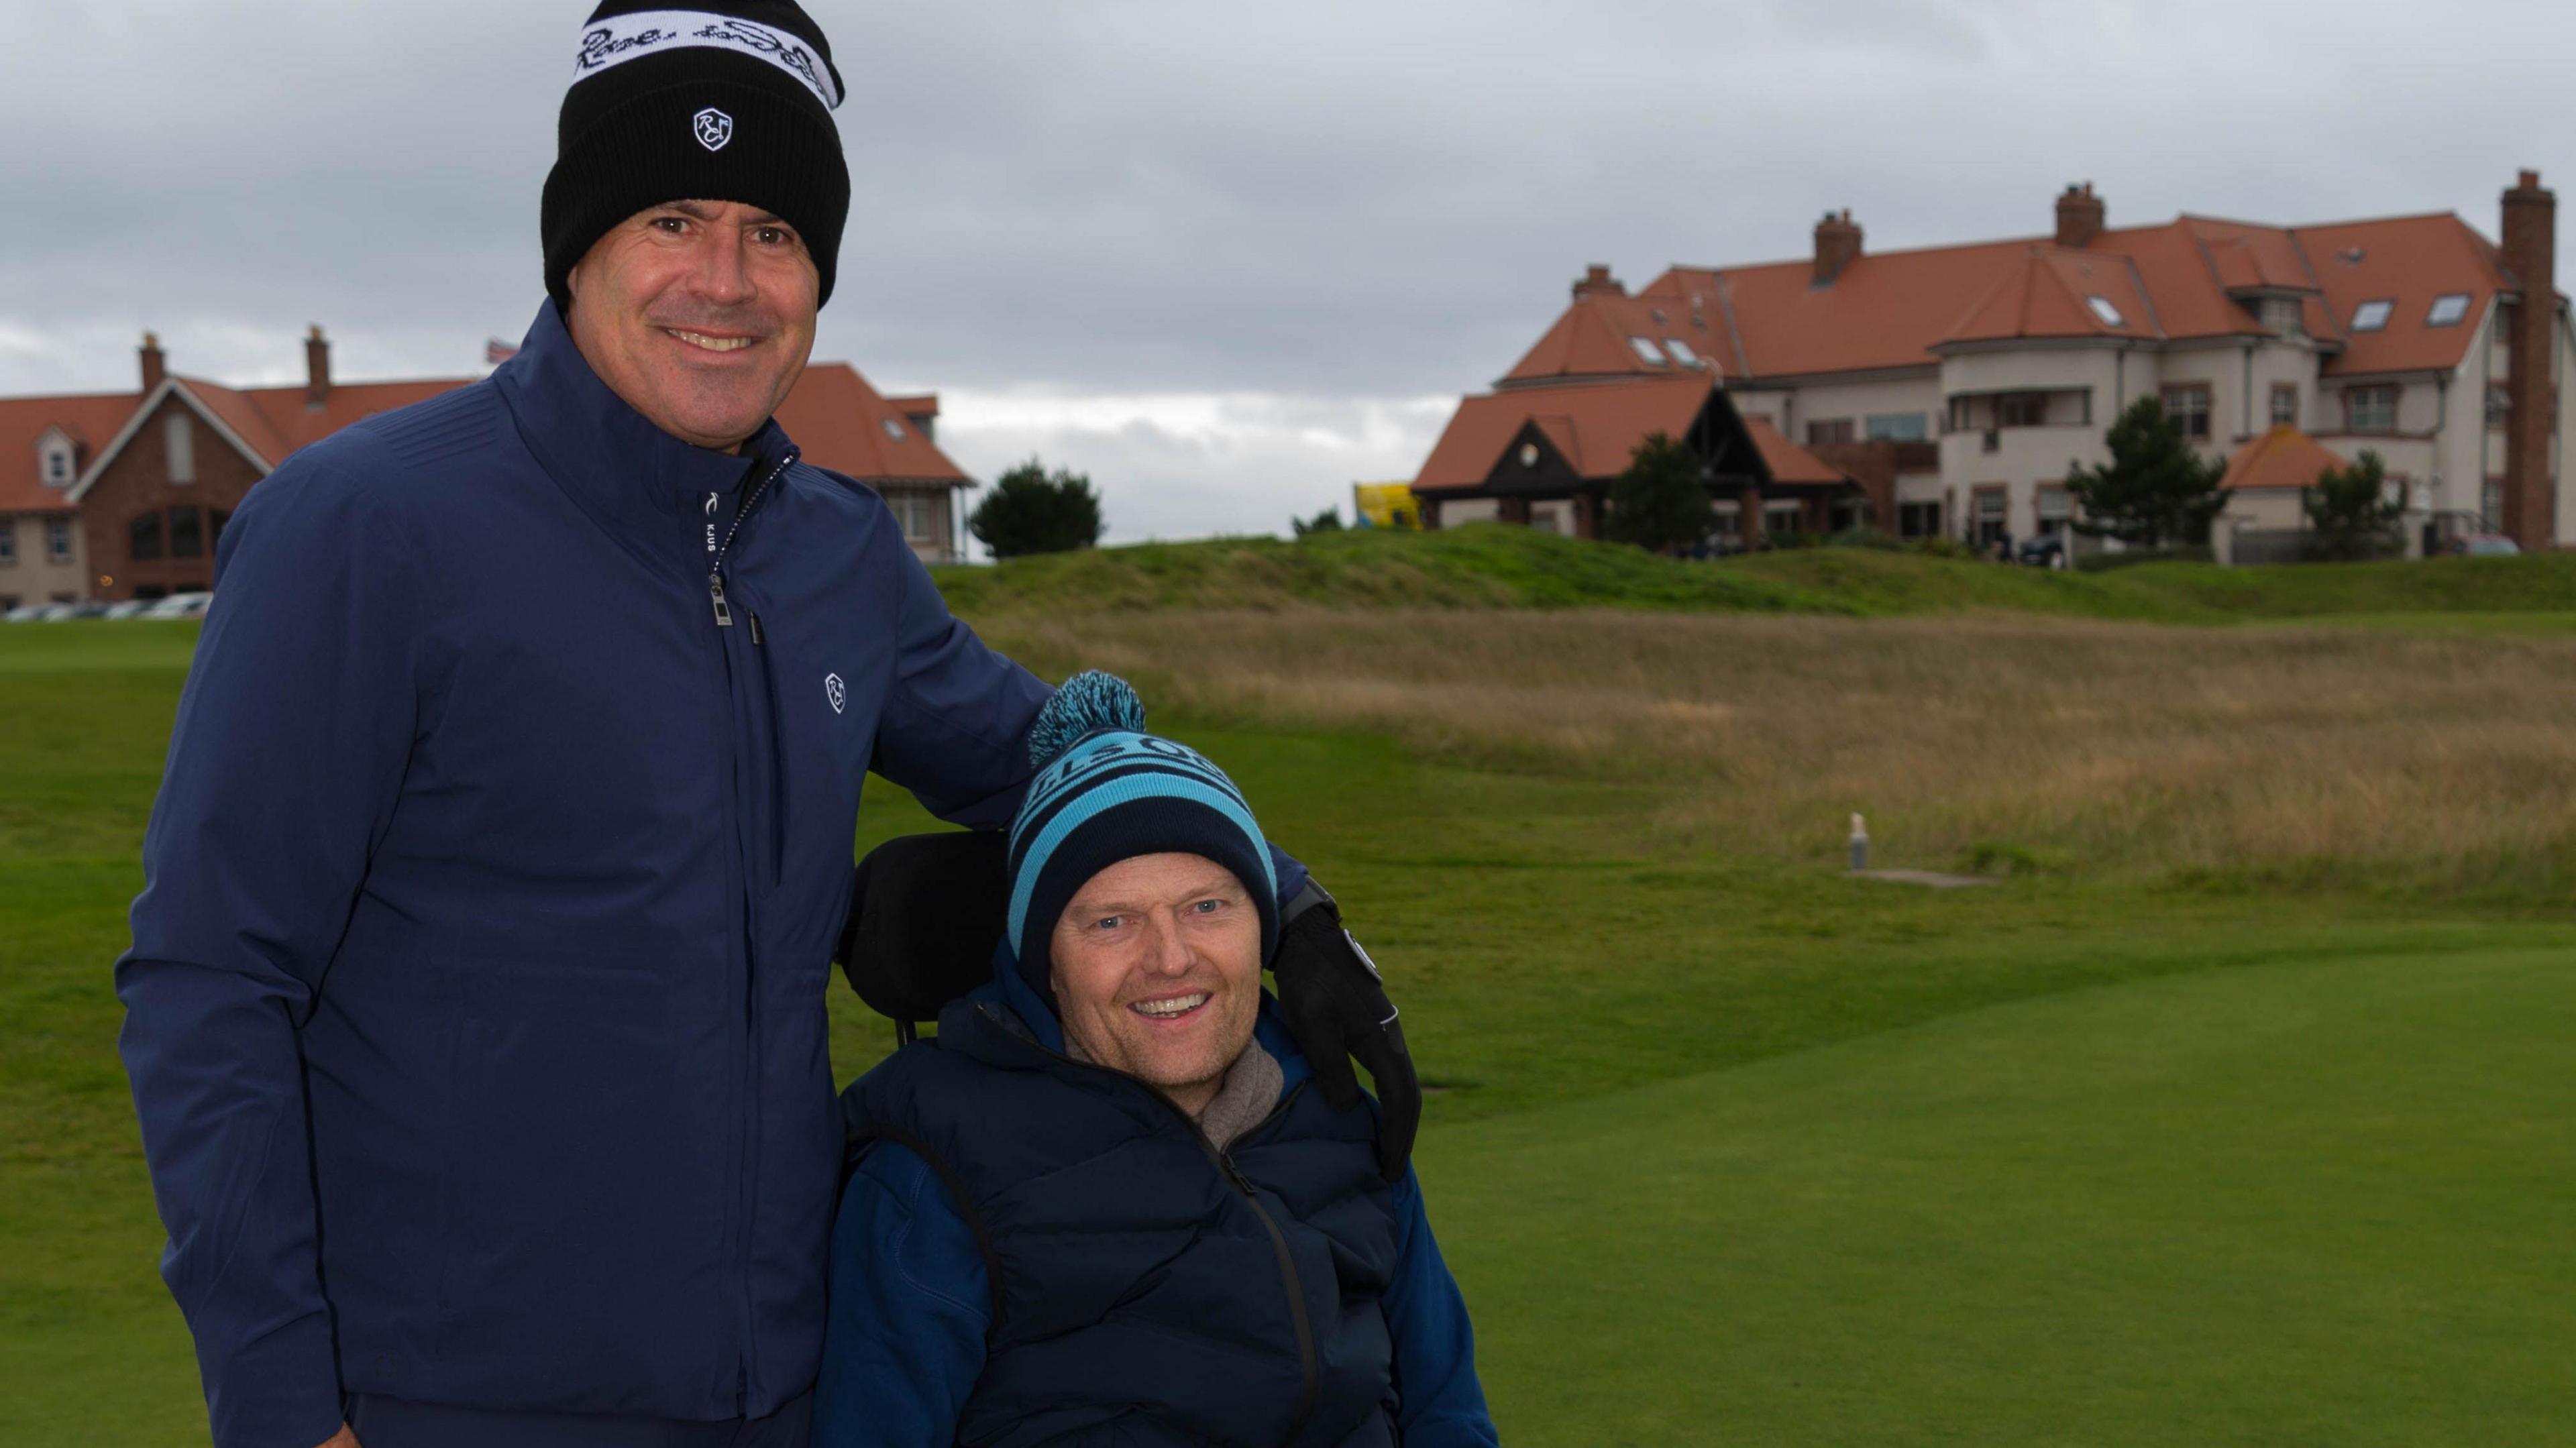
(714, 128)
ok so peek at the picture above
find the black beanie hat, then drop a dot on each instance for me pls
(717, 100)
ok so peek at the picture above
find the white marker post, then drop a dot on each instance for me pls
(1859, 845)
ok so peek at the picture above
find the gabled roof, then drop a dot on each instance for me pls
(838, 420)
(843, 424)
(1788, 462)
(1594, 426)
(89, 419)
(2284, 458)
(2190, 278)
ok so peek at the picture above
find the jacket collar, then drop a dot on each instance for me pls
(640, 482)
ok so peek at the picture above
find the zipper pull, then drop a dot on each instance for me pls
(715, 589)
(755, 630)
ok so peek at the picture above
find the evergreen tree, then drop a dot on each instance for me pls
(1327, 521)
(2347, 513)
(1661, 502)
(2155, 491)
(1031, 510)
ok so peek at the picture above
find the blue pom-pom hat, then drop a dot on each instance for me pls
(1108, 791)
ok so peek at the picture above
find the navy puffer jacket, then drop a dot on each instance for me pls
(1153, 1290)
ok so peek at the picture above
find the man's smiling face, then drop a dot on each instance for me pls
(1157, 972)
(700, 314)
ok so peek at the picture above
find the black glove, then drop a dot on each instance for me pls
(1337, 1009)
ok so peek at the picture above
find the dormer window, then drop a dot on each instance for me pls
(2448, 310)
(2281, 316)
(57, 460)
(1647, 352)
(2371, 316)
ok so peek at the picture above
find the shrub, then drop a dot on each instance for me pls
(1661, 502)
(1031, 510)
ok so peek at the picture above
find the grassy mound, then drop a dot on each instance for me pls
(1491, 566)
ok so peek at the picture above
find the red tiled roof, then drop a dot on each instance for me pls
(92, 420)
(1891, 309)
(2282, 458)
(2408, 261)
(838, 420)
(2051, 293)
(1788, 462)
(1593, 339)
(1596, 426)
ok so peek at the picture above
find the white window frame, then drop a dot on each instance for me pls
(1648, 353)
(2373, 315)
(56, 464)
(2457, 302)
(58, 540)
(179, 447)
(2106, 310)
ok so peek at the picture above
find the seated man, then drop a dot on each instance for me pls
(1099, 1207)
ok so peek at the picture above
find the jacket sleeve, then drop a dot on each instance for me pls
(1439, 1401)
(903, 1340)
(955, 729)
(291, 738)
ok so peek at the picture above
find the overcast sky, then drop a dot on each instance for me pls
(1227, 258)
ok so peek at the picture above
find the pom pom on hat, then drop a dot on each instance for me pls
(1089, 702)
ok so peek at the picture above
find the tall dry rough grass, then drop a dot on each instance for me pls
(2441, 763)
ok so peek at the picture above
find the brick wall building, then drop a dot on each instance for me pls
(1983, 370)
(123, 495)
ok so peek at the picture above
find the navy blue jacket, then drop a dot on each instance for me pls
(1141, 1299)
(475, 1008)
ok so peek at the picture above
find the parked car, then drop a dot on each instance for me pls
(90, 608)
(56, 612)
(180, 605)
(127, 608)
(2482, 545)
(2046, 550)
(23, 613)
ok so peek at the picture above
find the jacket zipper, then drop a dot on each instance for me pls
(751, 500)
(1311, 1381)
(747, 1165)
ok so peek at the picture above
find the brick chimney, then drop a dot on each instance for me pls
(2531, 252)
(1837, 246)
(1597, 282)
(2079, 216)
(155, 365)
(317, 368)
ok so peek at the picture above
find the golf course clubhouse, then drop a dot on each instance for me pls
(1545, 456)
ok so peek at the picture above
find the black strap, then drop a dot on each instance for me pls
(861, 1135)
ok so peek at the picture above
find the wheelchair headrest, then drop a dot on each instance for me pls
(928, 915)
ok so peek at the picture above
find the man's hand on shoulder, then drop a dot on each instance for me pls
(1337, 1008)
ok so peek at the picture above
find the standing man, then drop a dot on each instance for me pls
(475, 1009)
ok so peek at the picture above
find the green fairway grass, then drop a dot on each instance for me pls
(1724, 1149)
(1491, 565)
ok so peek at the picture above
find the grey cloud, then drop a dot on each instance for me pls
(1322, 200)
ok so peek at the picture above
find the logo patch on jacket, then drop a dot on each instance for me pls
(714, 128)
(834, 690)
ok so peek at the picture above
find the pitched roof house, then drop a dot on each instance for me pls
(122, 495)
(1992, 367)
